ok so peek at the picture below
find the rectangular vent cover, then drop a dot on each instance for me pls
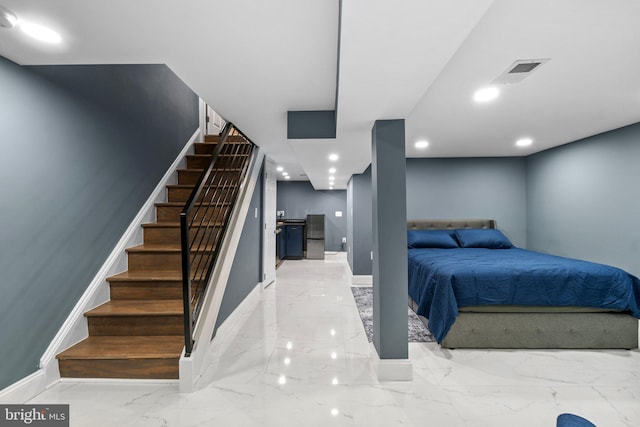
(519, 70)
(524, 68)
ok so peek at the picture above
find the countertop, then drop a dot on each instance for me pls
(291, 222)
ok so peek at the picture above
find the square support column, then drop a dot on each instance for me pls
(390, 287)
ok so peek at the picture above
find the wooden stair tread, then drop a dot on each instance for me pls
(127, 347)
(219, 155)
(163, 249)
(175, 224)
(191, 186)
(148, 275)
(155, 248)
(138, 308)
(194, 170)
(161, 224)
(179, 204)
(213, 139)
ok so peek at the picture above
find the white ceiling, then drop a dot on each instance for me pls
(253, 61)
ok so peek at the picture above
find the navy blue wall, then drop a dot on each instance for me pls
(246, 271)
(298, 198)
(76, 166)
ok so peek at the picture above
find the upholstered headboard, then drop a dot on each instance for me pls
(449, 224)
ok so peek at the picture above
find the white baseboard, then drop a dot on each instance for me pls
(361, 280)
(75, 327)
(25, 389)
(117, 381)
(390, 369)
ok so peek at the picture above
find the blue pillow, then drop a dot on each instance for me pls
(442, 239)
(482, 238)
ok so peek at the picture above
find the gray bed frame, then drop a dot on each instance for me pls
(531, 327)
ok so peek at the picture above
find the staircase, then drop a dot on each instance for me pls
(139, 333)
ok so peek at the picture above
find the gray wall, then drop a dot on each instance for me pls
(463, 188)
(76, 166)
(246, 271)
(584, 202)
(469, 188)
(390, 288)
(298, 198)
(359, 223)
(579, 200)
(151, 97)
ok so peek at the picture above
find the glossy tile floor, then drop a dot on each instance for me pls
(295, 354)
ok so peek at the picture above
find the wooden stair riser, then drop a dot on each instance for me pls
(145, 261)
(148, 290)
(166, 368)
(181, 194)
(223, 161)
(191, 176)
(172, 213)
(136, 325)
(143, 290)
(171, 235)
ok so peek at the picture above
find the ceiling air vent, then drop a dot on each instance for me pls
(519, 70)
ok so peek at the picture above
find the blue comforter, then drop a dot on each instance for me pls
(441, 280)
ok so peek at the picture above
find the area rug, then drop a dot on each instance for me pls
(364, 300)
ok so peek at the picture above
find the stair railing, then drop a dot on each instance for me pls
(205, 218)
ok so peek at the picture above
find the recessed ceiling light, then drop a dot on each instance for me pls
(287, 177)
(524, 142)
(40, 32)
(333, 157)
(486, 94)
(332, 170)
(285, 173)
(331, 178)
(279, 168)
(7, 18)
(422, 144)
(330, 188)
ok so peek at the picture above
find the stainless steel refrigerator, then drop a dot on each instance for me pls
(315, 236)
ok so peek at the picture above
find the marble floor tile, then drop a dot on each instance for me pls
(297, 355)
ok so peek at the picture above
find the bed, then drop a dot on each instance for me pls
(505, 297)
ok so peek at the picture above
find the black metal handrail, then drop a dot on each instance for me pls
(205, 218)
